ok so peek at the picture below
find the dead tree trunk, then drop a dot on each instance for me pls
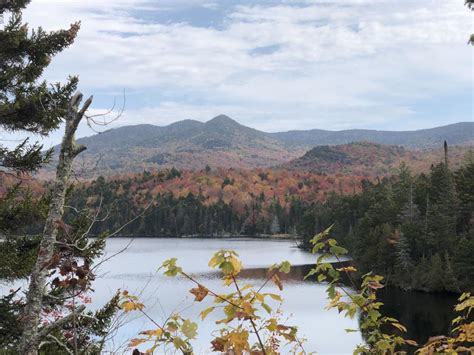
(31, 335)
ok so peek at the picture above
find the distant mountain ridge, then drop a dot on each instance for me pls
(223, 142)
(456, 134)
(185, 144)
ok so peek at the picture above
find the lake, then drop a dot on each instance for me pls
(135, 269)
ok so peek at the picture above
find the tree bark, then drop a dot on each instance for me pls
(31, 335)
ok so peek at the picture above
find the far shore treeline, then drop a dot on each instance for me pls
(416, 230)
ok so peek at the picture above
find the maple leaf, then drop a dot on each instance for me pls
(218, 344)
(128, 306)
(199, 293)
(189, 329)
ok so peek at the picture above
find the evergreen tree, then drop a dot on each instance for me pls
(443, 212)
(470, 5)
(28, 104)
(275, 226)
(464, 178)
(404, 260)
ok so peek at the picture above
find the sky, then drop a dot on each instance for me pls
(273, 65)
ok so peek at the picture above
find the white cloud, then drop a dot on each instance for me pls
(347, 64)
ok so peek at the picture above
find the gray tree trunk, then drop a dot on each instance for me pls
(31, 335)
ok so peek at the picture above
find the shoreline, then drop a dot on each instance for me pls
(217, 236)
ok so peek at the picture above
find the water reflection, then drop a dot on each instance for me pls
(296, 274)
(136, 270)
(304, 302)
(423, 314)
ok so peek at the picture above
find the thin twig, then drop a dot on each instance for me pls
(210, 291)
(250, 319)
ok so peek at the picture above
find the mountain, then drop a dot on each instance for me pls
(185, 144)
(223, 142)
(456, 134)
(371, 159)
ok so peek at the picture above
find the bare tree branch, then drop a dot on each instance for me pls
(59, 323)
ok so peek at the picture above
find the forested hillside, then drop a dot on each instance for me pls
(188, 144)
(417, 230)
(411, 227)
(223, 142)
(371, 159)
(210, 202)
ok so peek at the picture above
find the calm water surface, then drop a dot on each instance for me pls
(135, 269)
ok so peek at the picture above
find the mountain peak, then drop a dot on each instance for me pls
(223, 119)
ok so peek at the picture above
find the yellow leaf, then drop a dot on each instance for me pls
(275, 297)
(228, 280)
(246, 287)
(236, 264)
(153, 333)
(239, 341)
(128, 306)
(215, 260)
(399, 327)
(135, 342)
(276, 280)
(206, 312)
(347, 269)
(247, 307)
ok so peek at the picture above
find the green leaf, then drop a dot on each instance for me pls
(311, 273)
(171, 269)
(322, 257)
(317, 247)
(327, 230)
(227, 267)
(373, 314)
(334, 274)
(331, 291)
(336, 250)
(189, 329)
(267, 308)
(285, 267)
(384, 345)
(352, 311)
(179, 343)
(332, 242)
